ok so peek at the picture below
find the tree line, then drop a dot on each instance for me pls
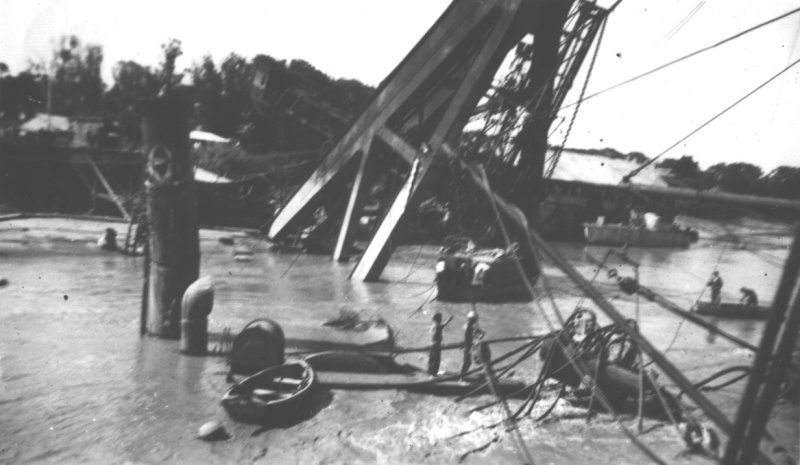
(223, 96)
(738, 178)
(266, 105)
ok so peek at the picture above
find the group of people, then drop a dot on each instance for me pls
(748, 298)
(473, 335)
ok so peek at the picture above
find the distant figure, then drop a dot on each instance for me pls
(699, 440)
(108, 241)
(715, 283)
(469, 336)
(435, 357)
(636, 219)
(749, 297)
(480, 351)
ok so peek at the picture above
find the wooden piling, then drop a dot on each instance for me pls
(171, 211)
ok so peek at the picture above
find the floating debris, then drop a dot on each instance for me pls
(212, 431)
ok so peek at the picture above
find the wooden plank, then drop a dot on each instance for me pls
(111, 193)
(368, 267)
(399, 145)
(343, 240)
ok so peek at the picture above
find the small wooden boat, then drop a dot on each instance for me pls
(273, 395)
(732, 310)
(465, 274)
(621, 235)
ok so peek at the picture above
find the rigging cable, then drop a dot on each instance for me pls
(576, 364)
(677, 60)
(636, 171)
(557, 154)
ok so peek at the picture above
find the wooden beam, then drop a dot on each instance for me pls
(110, 191)
(369, 266)
(343, 240)
(398, 145)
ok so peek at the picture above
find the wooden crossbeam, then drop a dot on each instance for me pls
(423, 103)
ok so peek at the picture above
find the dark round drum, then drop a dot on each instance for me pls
(260, 345)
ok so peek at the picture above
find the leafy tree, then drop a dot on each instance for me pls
(77, 86)
(172, 50)
(132, 82)
(783, 181)
(21, 96)
(740, 178)
(684, 167)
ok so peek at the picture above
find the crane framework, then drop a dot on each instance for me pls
(426, 102)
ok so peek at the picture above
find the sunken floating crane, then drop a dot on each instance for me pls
(426, 102)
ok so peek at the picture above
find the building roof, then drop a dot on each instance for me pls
(207, 176)
(596, 168)
(204, 136)
(45, 122)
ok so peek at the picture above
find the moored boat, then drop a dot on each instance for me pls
(465, 273)
(622, 235)
(732, 310)
(272, 395)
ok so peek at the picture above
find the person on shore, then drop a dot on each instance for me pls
(715, 283)
(749, 297)
(435, 356)
(469, 335)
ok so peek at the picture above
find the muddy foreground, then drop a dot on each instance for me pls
(78, 384)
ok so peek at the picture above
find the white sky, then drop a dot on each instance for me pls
(365, 39)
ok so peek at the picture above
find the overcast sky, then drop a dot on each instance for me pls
(365, 39)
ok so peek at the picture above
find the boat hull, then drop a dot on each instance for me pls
(732, 310)
(483, 276)
(275, 395)
(620, 235)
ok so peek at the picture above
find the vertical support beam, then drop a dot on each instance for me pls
(171, 212)
(343, 242)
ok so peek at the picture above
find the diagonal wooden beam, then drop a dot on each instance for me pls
(471, 88)
(111, 193)
(399, 145)
(353, 204)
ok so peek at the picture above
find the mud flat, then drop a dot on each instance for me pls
(78, 385)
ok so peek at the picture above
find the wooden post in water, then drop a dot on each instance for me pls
(171, 212)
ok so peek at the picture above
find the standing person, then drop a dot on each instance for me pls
(435, 357)
(715, 283)
(469, 335)
(749, 297)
